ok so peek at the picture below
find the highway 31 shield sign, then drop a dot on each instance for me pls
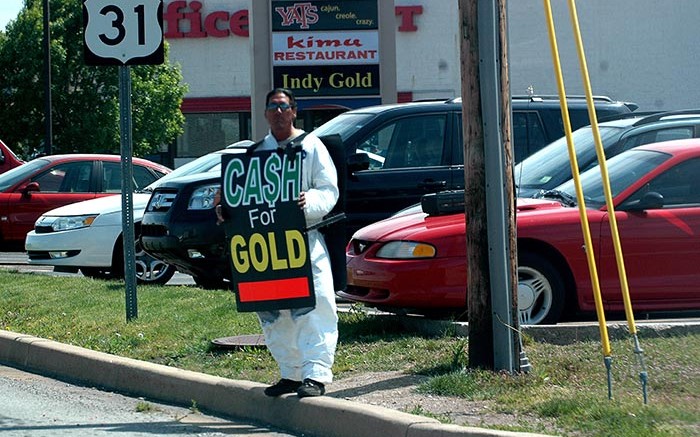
(123, 32)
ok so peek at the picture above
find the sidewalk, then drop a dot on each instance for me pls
(320, 417)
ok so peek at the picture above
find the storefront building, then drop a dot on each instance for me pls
(210, 41)
(628, 53)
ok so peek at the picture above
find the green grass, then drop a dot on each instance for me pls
(145, 407)
(567, 387)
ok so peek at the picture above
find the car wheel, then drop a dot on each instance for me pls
(150, 270)
(541, 294)
(209, 283)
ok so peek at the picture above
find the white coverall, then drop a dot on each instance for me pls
(303, 341)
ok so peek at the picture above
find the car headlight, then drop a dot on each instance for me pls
(406, 250)
(66, 223)
(203, 197)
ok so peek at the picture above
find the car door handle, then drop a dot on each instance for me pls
(432, 185)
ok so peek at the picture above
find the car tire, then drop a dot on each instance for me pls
(150, 270)
(541, 291)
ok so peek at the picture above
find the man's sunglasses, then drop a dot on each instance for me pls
(276, 106)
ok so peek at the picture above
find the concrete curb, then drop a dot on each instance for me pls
(565, 333)
(323, 417)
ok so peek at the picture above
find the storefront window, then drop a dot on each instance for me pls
(206, 133)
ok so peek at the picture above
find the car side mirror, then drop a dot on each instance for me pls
(650, 200)
(357, 162)
(30, 187)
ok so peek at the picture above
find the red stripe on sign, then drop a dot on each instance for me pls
(273, 290)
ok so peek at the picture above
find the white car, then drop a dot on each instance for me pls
(87, 236)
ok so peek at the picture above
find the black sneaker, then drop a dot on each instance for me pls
(310, 388)
(281, 387)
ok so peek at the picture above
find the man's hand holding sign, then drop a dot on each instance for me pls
(273, 199)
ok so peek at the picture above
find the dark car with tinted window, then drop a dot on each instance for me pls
(395, 155)
(549, 167)
(421, 149)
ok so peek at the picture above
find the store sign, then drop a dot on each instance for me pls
(326, 48)
(325, 15)
(189, 19)
(299, 48)
(329, 80)
(265, 231)
(197, 24)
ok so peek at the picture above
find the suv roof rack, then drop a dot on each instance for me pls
(626, 116)
(540, 97)
(551, 97)
(679, 114)
(600, 99)
(433, 99)
(543, 97)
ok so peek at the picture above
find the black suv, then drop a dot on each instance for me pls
(549, 167)
(395, 154)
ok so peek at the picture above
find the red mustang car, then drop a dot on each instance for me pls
(416, 263)
(48, 182)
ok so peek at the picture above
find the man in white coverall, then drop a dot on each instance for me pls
(303, 341)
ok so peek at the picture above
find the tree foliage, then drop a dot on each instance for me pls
(85, 99)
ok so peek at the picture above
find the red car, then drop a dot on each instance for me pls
(8, 159)
(416, 263)
(48, 182)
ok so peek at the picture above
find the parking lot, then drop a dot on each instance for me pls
(18, 261)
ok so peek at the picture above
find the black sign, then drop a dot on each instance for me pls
(265, 231)
(329, 80)
(326, 48)
(324, 15)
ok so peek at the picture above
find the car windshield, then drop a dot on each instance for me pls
(550, 166)
(344, 125)
(17, 174)
(207, 163)
(623, 170)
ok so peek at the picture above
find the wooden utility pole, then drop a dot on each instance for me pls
(478, 285)
(488, 159)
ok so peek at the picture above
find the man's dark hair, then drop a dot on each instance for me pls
(286, 92)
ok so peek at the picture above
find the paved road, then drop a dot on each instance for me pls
(34, 405)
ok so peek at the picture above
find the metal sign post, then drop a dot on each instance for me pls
(128, 234)
(123, 33)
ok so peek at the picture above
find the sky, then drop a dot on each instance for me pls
(8, 11)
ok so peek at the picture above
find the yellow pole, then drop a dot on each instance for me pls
(579, 193)
(606, 187)
(603, 168)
